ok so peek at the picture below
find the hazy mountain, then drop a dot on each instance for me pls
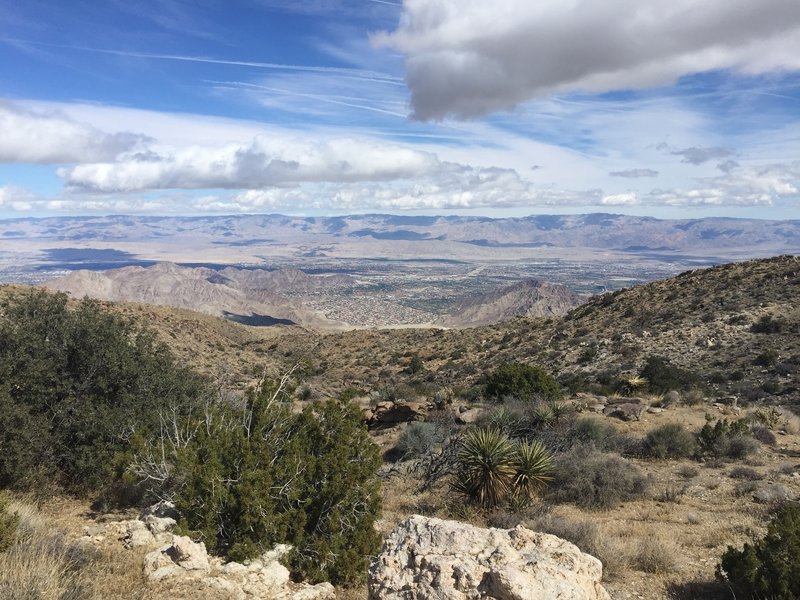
(529, 298)
(251, 238)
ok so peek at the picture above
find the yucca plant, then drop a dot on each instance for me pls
(487, 462)
(633, 384)
(534, 469)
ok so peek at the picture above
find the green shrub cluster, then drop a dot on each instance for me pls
(770, 567)
(662, 376)
(247, 478)
(522, 382)
(723, 438)
(76, 384)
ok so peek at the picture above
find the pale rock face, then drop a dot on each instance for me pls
(427, 558)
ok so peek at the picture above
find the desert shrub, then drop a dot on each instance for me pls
(655, 556)
(688, 471)
(662, 376)
(768, 324)
(725, 438)
(599, 433)
(491, 468)
(75, 385)
(767, 358)
(747, 473)
(768, 567)
(585, 534)
(247, 478)
(416, 439)
(764, 435)
(670, 440)
(596, 480)
(523, 382)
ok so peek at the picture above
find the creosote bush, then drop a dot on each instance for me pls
(670, 440)
(596, 480)
(769, 567)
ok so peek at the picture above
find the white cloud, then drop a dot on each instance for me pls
(757, 185)
(627, 199)
(465, 58)
(47, 137)
(17, 199)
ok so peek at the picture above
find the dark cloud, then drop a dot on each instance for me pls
(698, 156)
(468, 58)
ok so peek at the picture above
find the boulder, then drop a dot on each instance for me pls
(469, 416)
(625, 412)
(137, 534)
(182, 556)
(447, 560)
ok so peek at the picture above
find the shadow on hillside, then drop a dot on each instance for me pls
(256, 320)
(695, 590)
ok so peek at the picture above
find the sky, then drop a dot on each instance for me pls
(678, 109)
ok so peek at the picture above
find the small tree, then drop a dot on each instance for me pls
(770, 567)
(523, 382)
(247, 478)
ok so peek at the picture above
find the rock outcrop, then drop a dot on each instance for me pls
(426, 558)
(174, 559)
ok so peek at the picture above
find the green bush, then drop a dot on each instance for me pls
(75, 385)
(769, 567)
(523, 382)
(723, 438)
(248, 478)
(596, 480)
(670, 440)
(662, 376)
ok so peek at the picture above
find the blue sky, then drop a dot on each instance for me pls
(424, 106)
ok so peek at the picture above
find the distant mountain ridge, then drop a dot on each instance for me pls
(425, 235)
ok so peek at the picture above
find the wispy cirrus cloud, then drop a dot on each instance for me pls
(635, 173)
(471, 58)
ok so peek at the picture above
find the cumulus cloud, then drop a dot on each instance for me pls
(627, 199)
(698, 156)
(265, 162)
(635, 173)
(17, 199)
(467, 58)
(762, 185)
(48, 137)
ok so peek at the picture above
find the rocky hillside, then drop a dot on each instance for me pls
(247, 296)
(735, 326)
(529, 298)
